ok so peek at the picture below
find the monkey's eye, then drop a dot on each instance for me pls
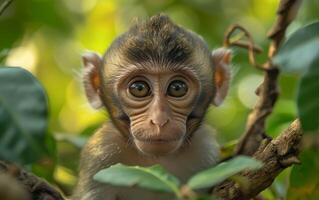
(177, 88)
(139, 89)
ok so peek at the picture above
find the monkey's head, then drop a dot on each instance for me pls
(157, 81)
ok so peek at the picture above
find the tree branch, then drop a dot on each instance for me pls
(35, 186)
(276, 155)
(268, 91)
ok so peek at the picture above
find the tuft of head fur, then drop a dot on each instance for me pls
(159, 40)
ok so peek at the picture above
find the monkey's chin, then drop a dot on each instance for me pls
(157, 148)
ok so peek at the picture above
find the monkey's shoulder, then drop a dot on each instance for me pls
(205, 134)
(107, 135)
(104, 145)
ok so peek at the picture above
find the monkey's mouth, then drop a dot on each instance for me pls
(158, 140)
(157, 146)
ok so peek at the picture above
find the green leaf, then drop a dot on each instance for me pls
(300, 53)
(23, 116)
(154, 178)
(300, 50)
(308, 99)
(222, 171)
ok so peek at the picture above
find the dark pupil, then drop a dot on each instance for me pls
(177, 89)
(139, 89)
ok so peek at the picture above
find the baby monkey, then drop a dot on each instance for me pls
(156, 81)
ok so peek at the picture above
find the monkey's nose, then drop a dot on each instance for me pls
(159, 122)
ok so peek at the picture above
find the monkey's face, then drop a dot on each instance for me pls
(158, 106)
(157, 81)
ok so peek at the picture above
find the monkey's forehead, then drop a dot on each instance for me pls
(154, 62)
(150, 68)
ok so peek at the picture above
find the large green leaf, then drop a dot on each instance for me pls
(23, 116)
(308, 99)
(300, 53)
(222, 171)
(300, 50)
(154, 178)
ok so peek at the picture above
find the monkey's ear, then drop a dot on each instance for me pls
(221, 60)
(92, 62)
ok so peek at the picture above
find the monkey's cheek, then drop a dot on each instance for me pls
(157, 148)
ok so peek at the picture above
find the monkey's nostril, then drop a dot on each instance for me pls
(159, 123)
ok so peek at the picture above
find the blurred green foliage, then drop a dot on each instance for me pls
(47, 37)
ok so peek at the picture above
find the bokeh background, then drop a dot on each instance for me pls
(47, 37)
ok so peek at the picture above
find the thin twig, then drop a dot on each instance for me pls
(228, 36)
(244, 45)
(4, 6)
(252, 48)
(286, 13)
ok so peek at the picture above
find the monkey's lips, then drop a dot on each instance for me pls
(157, 146)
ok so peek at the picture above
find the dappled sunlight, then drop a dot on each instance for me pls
(25, 55)
(247, 88)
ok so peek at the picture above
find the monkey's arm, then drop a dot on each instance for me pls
(100, 152)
